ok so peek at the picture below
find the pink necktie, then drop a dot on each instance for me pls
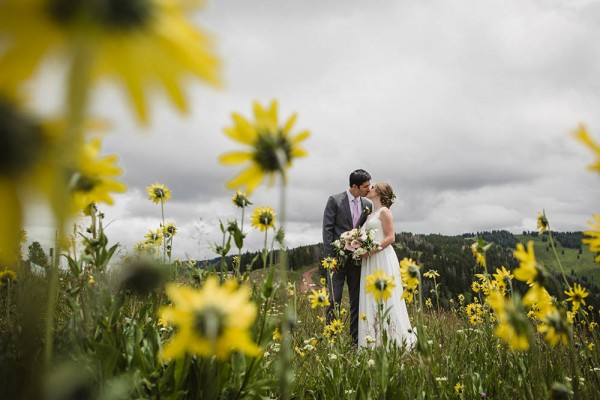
(356, 213)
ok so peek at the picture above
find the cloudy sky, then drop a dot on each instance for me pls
(464, 106)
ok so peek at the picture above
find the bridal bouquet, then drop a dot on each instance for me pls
(354, 243)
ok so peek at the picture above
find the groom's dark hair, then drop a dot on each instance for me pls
(359, 177)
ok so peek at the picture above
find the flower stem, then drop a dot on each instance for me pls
(76, 103)
(162, 212)
(557, 259)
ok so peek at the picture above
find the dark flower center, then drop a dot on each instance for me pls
(118, 14)
(82, 183)
(273, 152)
(381, 284)
(266, 218)
(210, 323)
(21, 140)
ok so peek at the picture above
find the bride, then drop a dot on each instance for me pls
(397, 323)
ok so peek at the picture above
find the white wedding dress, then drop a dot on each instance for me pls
(399, 328)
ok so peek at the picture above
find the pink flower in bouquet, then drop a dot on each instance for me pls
(355, 244)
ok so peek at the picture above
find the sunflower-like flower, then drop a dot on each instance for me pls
(154, 237)
(503, 278)
(7, 276)
(380, 285)
(582, 134)
(513, 326)
(333, 329)
(240, 199)
(542, 222)
(93, 181)
(593, 237)
(263, 218)
(323, 281)
(431, 274)
(557, 327)
(158, 193)
(170, 229)
(276, 334)
(272, 147)
(527, 271)
(329, 262)
(319, 298)
(409, 271)
(214, 320)
(141, 43)
(479, 248)
(577, 295)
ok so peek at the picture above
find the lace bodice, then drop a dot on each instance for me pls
(374, 222)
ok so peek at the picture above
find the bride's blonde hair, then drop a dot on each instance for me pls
(385, 191)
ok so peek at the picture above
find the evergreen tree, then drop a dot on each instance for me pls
(37, 255)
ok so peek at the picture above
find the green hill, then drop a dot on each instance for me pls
(581, 266)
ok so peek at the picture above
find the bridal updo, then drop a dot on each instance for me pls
(386, 193)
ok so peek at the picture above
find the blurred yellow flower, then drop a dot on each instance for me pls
(322, 281)
(263, 218)
(527, 271)
(276, 334)
(170, 229)
(431, 274)
(380, 285)
(272, 148)
(329, 263)
(593, 237)
(240, 199)
(141, 43)
(154, 237)
(214, 320)
(556, 326)
(503, 277)
(583, 136)
(157, 192)
(409, 271)
(93, 181)
(319, 298)
(363, 316)
(542, 222)
(576, 295)
(7, 276)
(91, 280)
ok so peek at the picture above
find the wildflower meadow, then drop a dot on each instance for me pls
(148, 325)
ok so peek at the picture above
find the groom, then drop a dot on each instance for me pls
(343, 212)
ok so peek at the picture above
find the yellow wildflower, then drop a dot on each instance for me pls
(240, 199)
(409, 271)
(503, 277)
(461, 298)
(431, 274)
(272, 148)
(154, 237)
(583, 136)
(363, 316)
(590, 346)
(329, 263)
(429, 303)
(380, 285)
(322, 281)
(542, 222)
(158, 193)
(593, 237)
(276, 334)
(7, 276)
(319, 298)
(263, 218)
(592, 326)
(214, 320)
(577, 295)
(459, 388)
(170, 229)
(91, 280)
(527, 271)
(139, 42)
(92, 183)
(556, 326)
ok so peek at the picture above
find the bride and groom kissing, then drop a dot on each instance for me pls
(368, 206)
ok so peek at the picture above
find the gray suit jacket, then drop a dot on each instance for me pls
(337, 218)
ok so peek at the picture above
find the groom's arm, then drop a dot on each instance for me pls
(329, 225)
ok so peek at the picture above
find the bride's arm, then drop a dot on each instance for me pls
(389, 236)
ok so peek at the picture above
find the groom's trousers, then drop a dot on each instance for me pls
(348, 273)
